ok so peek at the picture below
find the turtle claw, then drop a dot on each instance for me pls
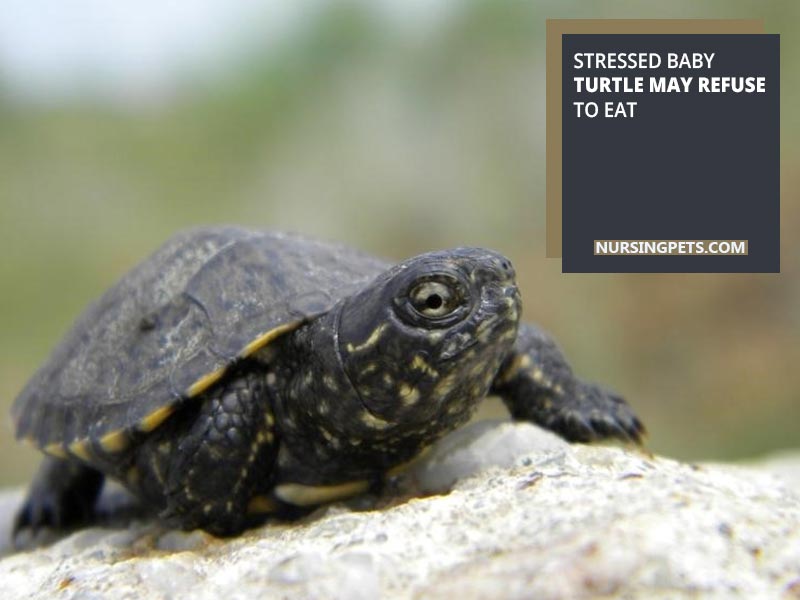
(591, 413)
(538, 385)
(46, 510)
(62, 495)
(37, 522)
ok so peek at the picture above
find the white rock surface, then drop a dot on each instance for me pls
(547, 520)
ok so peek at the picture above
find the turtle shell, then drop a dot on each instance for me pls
(171, 327)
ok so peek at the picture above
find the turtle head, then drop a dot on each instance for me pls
(423, 342)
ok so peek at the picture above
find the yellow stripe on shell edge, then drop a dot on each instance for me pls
(266, 337)
(155, 418)
(55, 449)
(205, 382)
(117, 440)
(80, 449)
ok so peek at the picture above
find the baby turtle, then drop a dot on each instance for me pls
(238, 373)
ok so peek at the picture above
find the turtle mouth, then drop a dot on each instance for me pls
(512, 301)
(500, 306)
(498, 315)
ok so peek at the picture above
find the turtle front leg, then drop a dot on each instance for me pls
(538, 385)
(63, 494)
(215, 457)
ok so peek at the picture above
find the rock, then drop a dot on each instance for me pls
(786, 465)
(529, 516)
(472, 449)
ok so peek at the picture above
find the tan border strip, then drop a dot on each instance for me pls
(555, 29)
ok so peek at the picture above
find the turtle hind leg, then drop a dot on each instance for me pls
(537, 385)
(62, 495)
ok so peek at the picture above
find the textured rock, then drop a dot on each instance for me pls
(786, 465)
(541, 518)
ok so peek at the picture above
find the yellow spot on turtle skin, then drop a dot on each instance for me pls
(55, 449)
(511, 334)
(370, 420)
(445, 386)
(205, 382)
(271, 379)
(156, 469)
(262, 505)
(370, 368)
(80, 448)
(370, 341)
(207, 509)
(155, 418)
(132, 476)
(409, 395)
(310, 495)
(486, 328)
(266, 337)
(114, 441)
(477, 370)
(521, 361)
(418, 363)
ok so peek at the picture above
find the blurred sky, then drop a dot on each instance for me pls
(141, 51)
(128, 50)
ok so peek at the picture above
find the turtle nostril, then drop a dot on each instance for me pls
(506, 265)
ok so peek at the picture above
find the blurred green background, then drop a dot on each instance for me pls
(396, 126)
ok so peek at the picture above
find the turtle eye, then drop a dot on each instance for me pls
(436, 299)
